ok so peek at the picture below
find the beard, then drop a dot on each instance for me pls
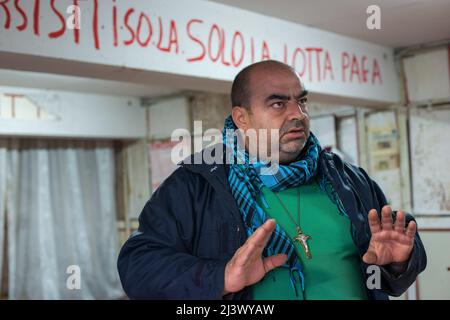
(293, 138)
(289, 151)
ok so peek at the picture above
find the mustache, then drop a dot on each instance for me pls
(293, 125)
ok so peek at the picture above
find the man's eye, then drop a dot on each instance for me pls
(278, 105)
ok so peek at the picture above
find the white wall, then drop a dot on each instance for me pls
(167, 115)
(428, 84)
(67, 114)
(324, 127)
(348, 138)
(427, 75)
(428, 81)
(430, 159)
(190, 42)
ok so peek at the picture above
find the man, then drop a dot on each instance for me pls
(309, 230)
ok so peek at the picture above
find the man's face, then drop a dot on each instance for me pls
(278, 101)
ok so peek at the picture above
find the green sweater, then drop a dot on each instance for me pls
(334, 271)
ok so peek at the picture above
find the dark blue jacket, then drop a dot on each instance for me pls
(191, 227)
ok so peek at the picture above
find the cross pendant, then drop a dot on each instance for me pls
(303, 238)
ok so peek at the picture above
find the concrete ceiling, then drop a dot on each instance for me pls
(403, 22)
(37, 80)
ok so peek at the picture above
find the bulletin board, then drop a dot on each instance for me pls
(383, 152)
(430, 157)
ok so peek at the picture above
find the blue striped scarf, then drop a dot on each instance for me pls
(246, 181)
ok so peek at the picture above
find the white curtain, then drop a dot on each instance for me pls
(3, 177)
(60, 207)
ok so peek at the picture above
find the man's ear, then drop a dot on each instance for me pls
(240, 117)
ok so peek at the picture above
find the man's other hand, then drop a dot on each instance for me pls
(389, 242)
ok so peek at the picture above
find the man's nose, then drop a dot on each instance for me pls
(295, 111)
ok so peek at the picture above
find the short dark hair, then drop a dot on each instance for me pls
(240, 90)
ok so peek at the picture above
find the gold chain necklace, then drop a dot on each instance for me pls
(301, 237)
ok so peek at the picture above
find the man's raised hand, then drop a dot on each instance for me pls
(390, 242)
(247, 266)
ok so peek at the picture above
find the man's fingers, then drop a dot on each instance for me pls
(275, 261)
(370, 257)
(400, 222)
(374, 222)
(261, 235)
(255, 244)
(244, 255)
(411, 230)
(386, 218)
